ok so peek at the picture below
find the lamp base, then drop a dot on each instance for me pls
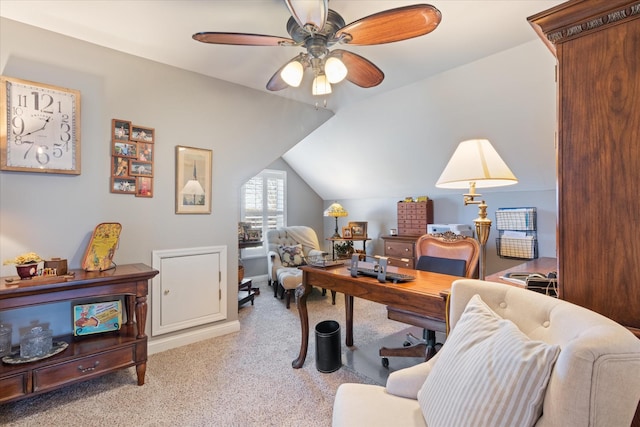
(336, 235)
(483, 228)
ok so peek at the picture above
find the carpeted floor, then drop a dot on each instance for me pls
(241, 379)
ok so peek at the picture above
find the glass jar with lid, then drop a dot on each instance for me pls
(36, 343)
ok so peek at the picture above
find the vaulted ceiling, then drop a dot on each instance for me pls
(162, 30)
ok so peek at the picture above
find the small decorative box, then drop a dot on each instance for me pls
(97, 317)
(58, 265)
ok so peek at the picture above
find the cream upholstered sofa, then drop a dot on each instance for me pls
(288, 248)
(591, 363)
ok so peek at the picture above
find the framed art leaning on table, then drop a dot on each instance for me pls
(358, 229)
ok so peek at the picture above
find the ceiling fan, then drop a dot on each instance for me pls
(314, 26)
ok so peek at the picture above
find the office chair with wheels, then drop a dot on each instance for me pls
(446, 253)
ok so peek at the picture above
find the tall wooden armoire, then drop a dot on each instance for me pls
(597, 46)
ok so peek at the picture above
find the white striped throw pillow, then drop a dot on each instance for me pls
(488, 373)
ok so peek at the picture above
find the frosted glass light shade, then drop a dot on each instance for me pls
(309, 12)
(321, 85)
(335, 70)
(476, 161)
(292, 73)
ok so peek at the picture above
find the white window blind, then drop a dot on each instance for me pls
(263, 204)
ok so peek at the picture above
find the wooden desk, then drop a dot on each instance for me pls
(539, 265)
(427, 294)
(89, 356)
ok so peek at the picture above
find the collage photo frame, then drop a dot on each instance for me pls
(132, 158)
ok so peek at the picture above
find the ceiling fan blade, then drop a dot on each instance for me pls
(392, 25)
(361, 71)
(242, 39)
(309, 12)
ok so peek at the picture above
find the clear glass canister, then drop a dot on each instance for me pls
(5, 340)
(36, 343)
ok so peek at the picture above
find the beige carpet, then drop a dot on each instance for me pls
(241, 379)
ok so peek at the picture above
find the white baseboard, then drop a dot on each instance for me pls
(157, 345)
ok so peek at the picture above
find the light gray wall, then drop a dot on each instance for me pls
(381, 215)
(397, 145)
(54, 215)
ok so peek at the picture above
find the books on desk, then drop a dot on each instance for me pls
(537, 282)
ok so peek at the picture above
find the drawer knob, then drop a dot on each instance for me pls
(406, 249)
(90, 368)
(166, 292)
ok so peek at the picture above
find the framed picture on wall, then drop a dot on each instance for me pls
(144, 186)
(141, 134)
(119, 166)
(120, 130)
(123, 185)
(137, 168)
(358, 229)
(125, 149)
(193, 180)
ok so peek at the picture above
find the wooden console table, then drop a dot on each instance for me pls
(89, 356)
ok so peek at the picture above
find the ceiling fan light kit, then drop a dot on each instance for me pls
(292, 73)
(316, 28)
(321, 85)
(335, 70)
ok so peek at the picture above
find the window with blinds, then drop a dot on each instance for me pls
(263, 202)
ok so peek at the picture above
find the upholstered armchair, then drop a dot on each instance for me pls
(513, 357)
(288, 248)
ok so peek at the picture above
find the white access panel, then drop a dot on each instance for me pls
(190, 289)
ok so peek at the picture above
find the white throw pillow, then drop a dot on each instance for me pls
(488, 373)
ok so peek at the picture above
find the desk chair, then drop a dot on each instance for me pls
(446, 253)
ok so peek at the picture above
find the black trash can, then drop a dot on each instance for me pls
(328, 351)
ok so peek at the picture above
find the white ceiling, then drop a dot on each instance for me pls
(161, 31)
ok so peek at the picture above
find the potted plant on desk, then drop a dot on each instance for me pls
(343, 250)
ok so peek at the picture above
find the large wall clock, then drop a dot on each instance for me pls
(39, 127)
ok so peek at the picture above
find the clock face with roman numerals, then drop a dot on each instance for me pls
(39, 127)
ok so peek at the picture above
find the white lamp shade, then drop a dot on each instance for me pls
(476, 161)
(321, 85)
(193, 187)
(335, 70)
(292, 73)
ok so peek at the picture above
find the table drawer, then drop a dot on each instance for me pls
(63, 373)
(401, 262)
(14, 386)
(399, 249)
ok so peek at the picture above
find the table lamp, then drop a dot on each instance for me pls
(476, 164)
(336, 211)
